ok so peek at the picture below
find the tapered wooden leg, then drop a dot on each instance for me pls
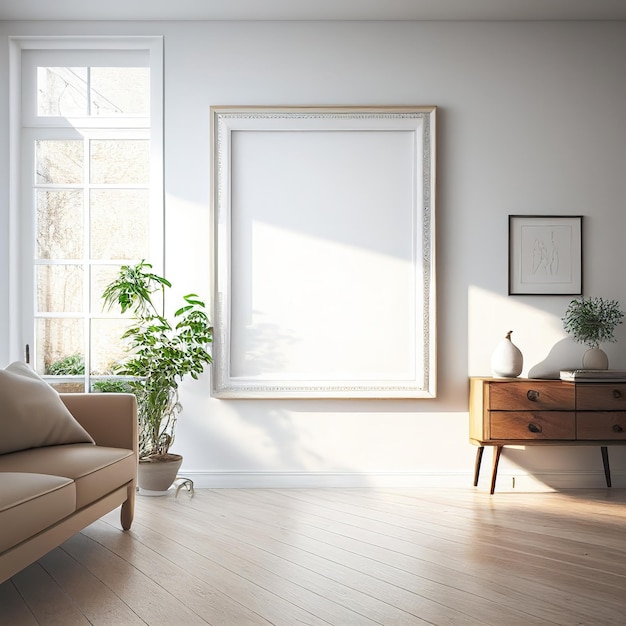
(479, 458)
(605, 462)
(494, 472)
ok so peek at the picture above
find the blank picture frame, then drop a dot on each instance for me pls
(324, 277)
(545, 255)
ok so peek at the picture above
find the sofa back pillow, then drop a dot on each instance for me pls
(32, 414)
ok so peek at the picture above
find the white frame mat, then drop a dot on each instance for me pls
(324, 252)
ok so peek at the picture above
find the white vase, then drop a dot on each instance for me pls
(507, 360)
(595, 359)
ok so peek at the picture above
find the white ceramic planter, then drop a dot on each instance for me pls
(595, 359)
(154, 478)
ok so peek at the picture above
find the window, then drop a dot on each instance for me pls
(87, 128)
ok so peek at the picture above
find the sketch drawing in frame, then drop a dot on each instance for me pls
(545, 255)
(324, 247)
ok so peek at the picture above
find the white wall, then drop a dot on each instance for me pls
(531, 120)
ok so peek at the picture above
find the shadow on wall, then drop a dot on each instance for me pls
(241, 438)
(565, 354)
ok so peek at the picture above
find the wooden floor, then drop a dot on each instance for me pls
(320, 556)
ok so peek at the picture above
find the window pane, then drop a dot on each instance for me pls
(106, 346)
(88, 196)
(120, 91)
(120, 161)
(119, 224)
(59, 289)
(58, 340)
(62, 91)
(60, 224)
(59, 162)
(113, 91)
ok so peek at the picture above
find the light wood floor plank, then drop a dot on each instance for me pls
(149, 600)
(47, 601)
(360, 597)
(94, 599)
(443, 594)
(436, 601)
(396, 557)
(14, 610)
(531, 577)
(194, 580)
(315, 597)
(487, 544)
(594, 565)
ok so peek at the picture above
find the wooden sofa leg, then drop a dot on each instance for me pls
(128, 507)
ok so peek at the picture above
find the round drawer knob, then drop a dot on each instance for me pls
(534, 428)
(617, 393)
(532, 395)
(617, 428)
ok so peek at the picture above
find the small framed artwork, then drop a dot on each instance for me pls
(545, 255)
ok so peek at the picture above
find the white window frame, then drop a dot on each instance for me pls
(25, 125)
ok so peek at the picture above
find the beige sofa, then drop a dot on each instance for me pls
(49, 492)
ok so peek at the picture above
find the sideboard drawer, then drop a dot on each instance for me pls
(531, 395)
(533, 425)
(601, 397)
(601, 426)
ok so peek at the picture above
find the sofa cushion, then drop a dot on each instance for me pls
(32, 413)
(96, 470)
(29, 503)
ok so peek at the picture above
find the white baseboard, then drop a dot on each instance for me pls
(507, 480)
(285, 480)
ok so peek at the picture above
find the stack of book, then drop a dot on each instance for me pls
(598, 376)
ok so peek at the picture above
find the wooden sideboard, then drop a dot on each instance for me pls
(524, 411)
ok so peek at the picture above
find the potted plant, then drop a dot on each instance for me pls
(592, 321)
(160, 354)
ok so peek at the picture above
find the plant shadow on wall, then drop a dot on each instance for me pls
(265, 343)
(160, 354)
(272, 439)
(269, 435)
(588, 321)
(278, 439)
(564, 354)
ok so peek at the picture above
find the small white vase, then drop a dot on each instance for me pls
(507, 360)
(595, 359)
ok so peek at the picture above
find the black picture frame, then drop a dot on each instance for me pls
(545, 255)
